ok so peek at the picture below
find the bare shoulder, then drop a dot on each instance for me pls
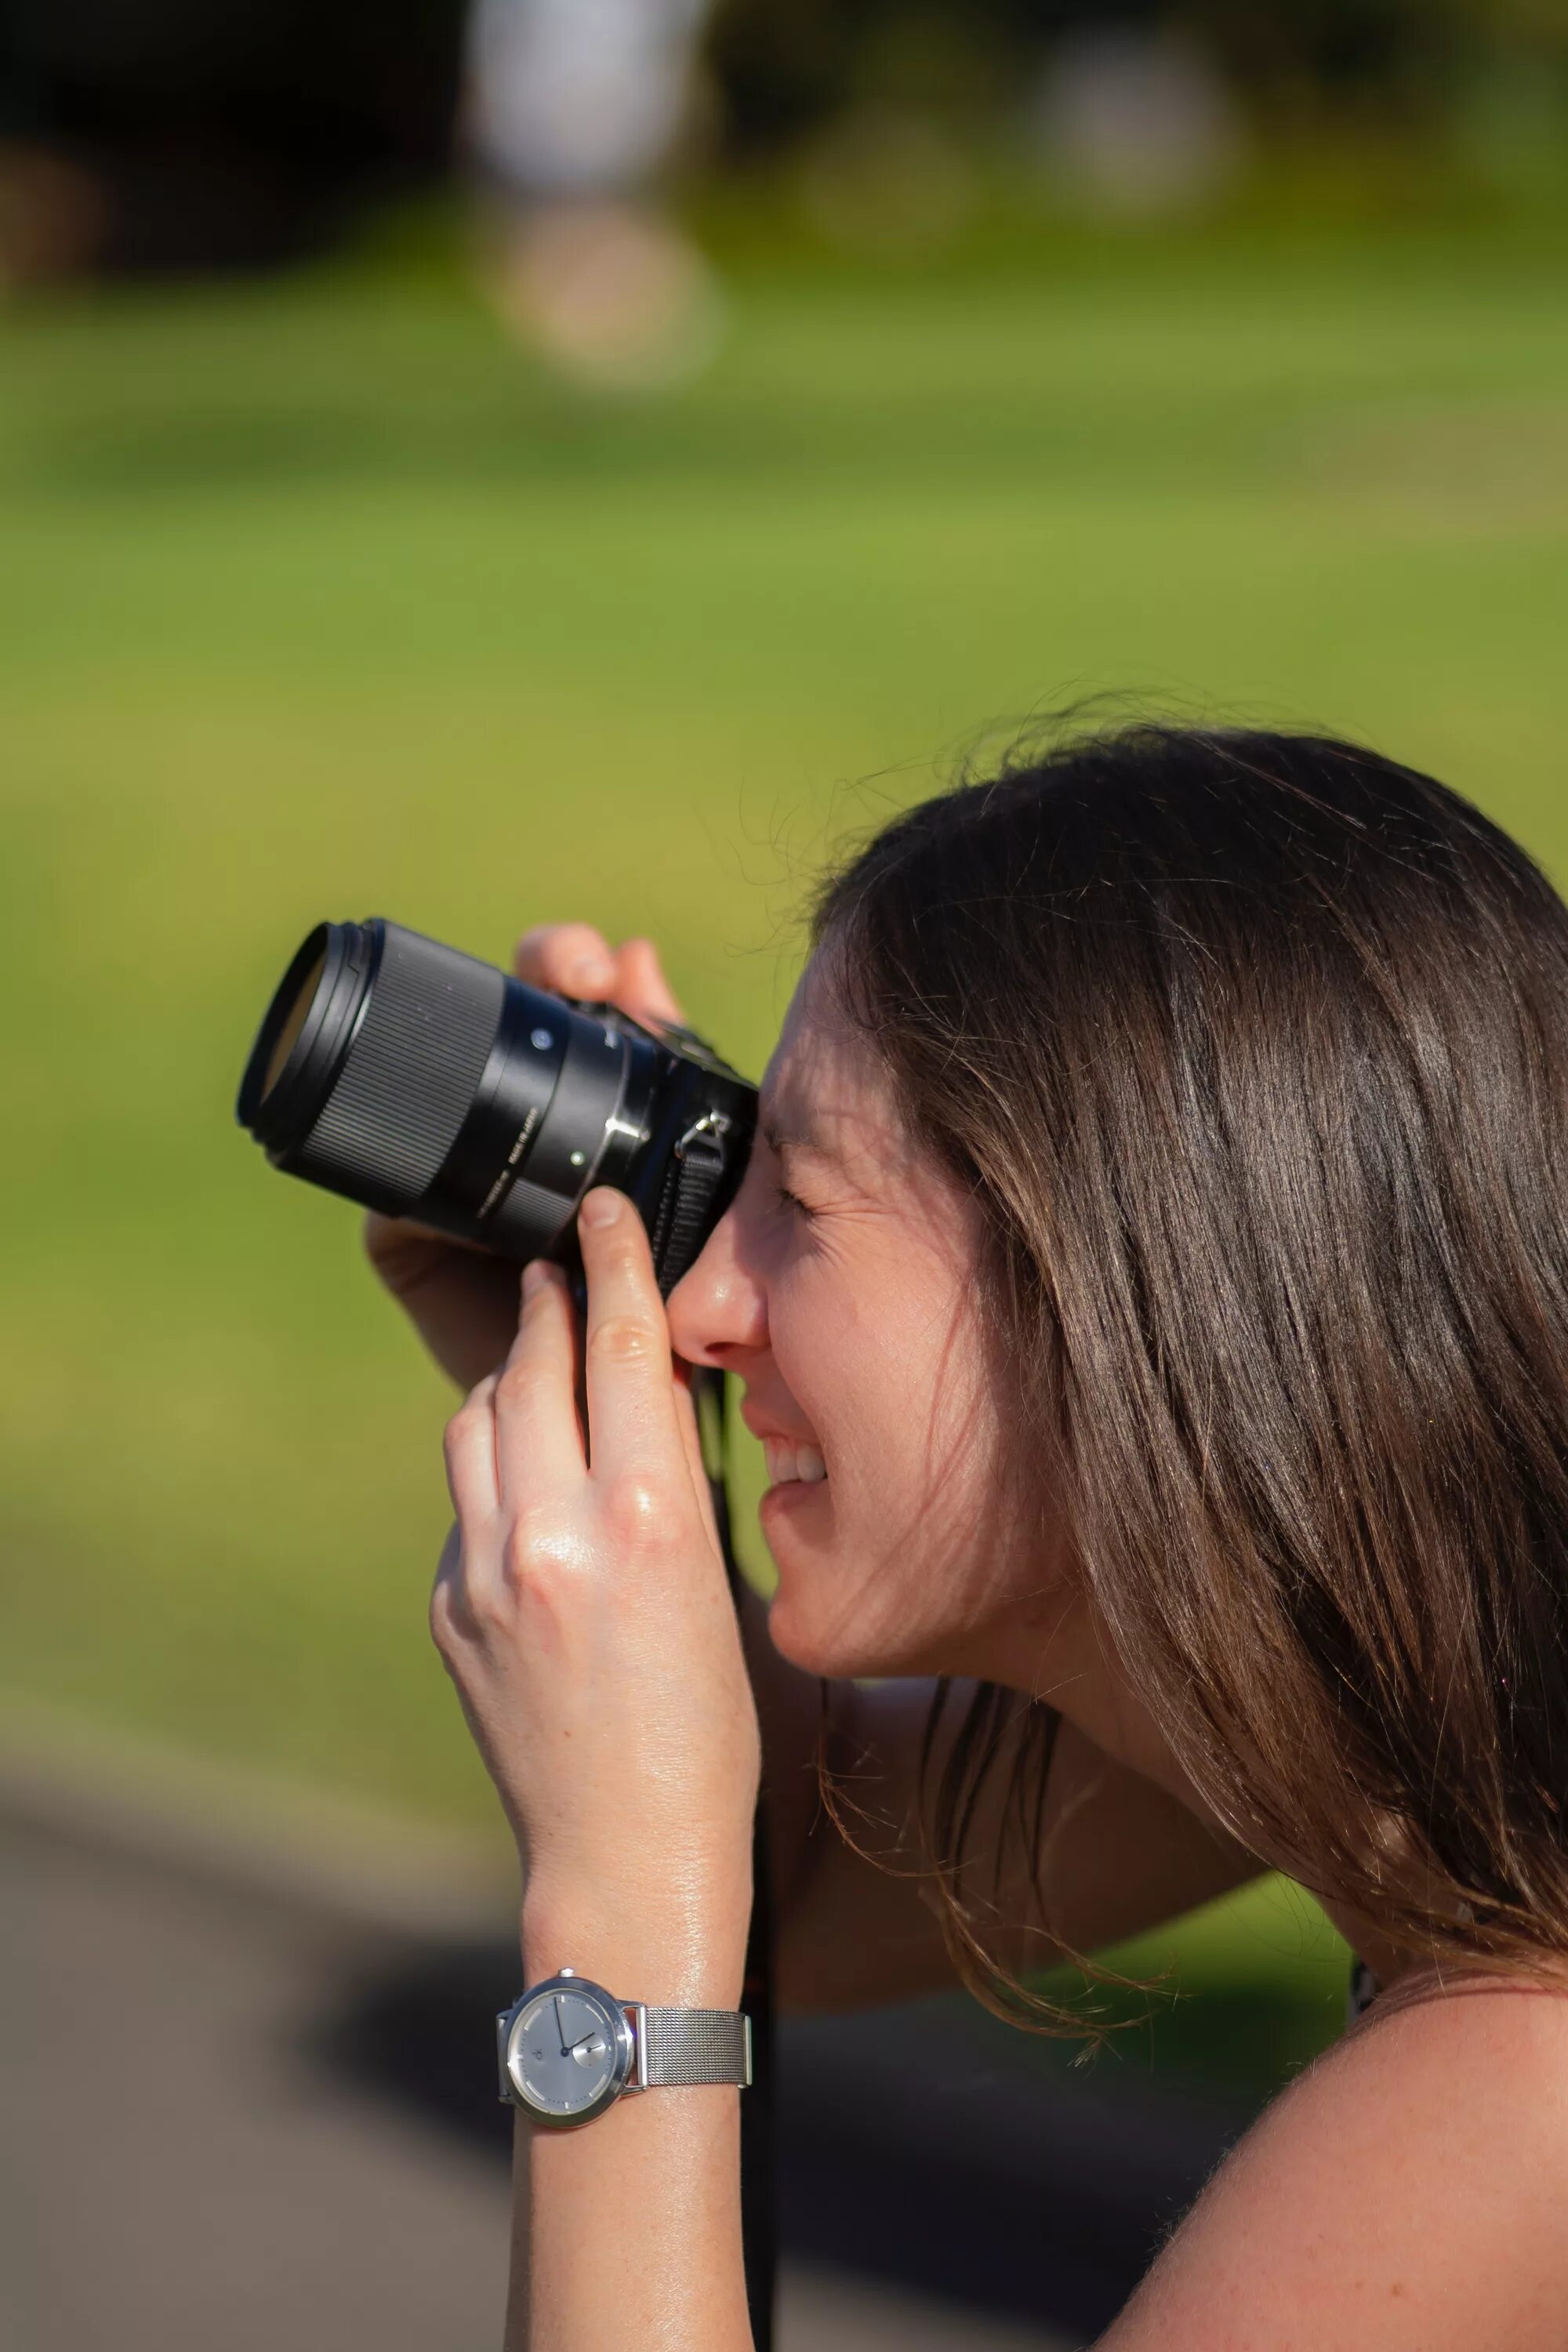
(1406, 2195)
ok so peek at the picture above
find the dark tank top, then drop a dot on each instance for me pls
(1360, 1992)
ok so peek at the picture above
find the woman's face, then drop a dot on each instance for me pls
(841, 1288)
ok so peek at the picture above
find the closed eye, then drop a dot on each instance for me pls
(788, 1200)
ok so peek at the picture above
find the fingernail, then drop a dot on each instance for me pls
(602, 1207)
(591, 974)
(533, 1277)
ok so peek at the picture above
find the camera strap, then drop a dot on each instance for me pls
(693, 1174)
(759, 2214)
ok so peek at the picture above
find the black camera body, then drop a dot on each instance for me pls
(419, 1081)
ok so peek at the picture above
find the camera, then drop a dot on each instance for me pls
(420, 1081)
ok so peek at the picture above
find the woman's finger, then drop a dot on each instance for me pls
(691, 1443)
(449, 1611)
(470, 1452)
(628, 1376)
(573, 958)
(462, 1302)
(539, 1438)
(641, 988)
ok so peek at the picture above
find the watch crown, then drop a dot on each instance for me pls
(565, 1972)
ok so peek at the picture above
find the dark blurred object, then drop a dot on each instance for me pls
(784, 68)
(162, 137)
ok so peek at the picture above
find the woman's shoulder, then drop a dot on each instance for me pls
(1406, 2191)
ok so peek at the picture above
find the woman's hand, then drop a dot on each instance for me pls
(582, 1610)
(463, 1302)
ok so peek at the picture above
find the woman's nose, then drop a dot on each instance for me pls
(718, 1306)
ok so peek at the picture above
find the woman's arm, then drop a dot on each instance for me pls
(628, 2230)
(582, 1610)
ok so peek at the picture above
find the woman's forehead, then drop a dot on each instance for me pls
(825, 1090)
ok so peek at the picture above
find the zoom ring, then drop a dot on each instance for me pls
(410, 1075)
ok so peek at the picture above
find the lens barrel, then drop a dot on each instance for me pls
(419, 1081)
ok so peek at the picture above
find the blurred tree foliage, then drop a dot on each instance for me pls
(165, 136)
(786, 66)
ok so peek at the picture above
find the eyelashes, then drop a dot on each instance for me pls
(785, 1199)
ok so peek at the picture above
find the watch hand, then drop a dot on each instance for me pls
(561, 2027)
(584, 2042)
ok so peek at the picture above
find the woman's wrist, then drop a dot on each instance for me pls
(671, 1954)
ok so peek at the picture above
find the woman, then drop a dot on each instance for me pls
(1148, 1286)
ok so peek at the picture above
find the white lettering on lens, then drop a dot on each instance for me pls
(503, 1181)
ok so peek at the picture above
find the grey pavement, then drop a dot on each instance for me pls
(189, 2163)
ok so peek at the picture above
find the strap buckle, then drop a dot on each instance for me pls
(711, 1128)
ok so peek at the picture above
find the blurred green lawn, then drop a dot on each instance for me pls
(313, 601)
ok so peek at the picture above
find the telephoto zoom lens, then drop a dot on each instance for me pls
(419, 1081)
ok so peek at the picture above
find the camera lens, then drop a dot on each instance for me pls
(419, 1081)
(293, 1022)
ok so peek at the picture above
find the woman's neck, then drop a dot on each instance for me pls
(1084, 1684)
(1065, 1660)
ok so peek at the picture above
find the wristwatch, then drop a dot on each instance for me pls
(568, 2049)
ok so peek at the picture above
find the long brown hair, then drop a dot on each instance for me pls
(1254, 1048)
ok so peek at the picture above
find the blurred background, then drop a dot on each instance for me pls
(584, 458)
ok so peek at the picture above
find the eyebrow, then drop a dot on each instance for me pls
(780, 1137)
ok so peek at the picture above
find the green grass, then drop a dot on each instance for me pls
(313, 601)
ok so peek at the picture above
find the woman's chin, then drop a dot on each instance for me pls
(824, 1615)
(797, 1521)
(800, 1635)
(809, 1626)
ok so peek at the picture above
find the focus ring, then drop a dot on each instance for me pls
(409, 1078)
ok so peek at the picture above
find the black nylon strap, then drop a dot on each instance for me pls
(691, 1183)
(695, 1173)
(759, 2214)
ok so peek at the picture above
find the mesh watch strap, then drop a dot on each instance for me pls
(694, 2045)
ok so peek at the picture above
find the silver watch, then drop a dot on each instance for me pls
(568, 2049)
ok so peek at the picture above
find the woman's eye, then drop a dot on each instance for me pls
(788, 1200)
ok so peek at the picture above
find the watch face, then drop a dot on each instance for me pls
(566, 2049)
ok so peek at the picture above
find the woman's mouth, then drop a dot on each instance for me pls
(792, 1464)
